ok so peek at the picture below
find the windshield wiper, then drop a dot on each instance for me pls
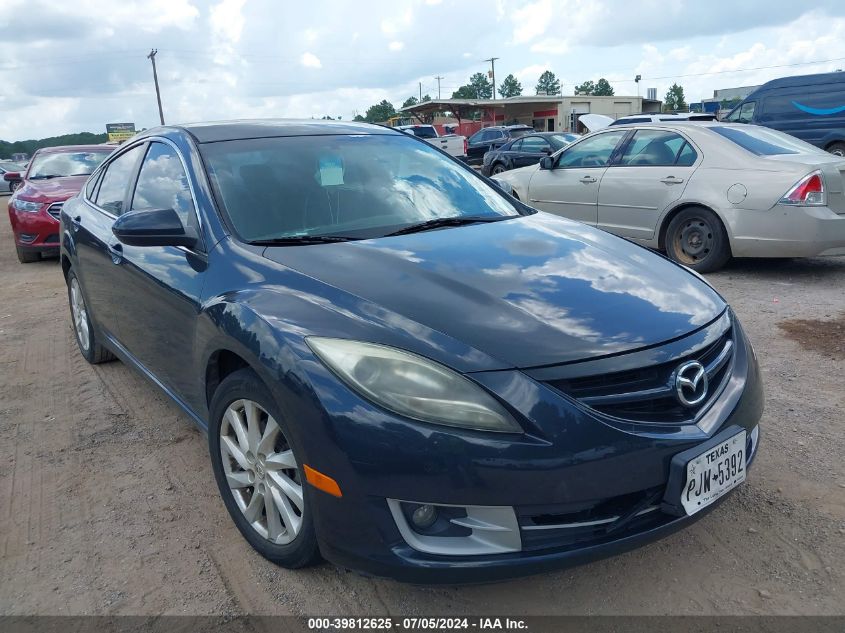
(299, 240)
(454, 221)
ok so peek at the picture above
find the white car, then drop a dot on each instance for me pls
(452, 144)
(703, 192)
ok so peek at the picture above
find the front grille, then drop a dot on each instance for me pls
(55, 209)
(647, 394)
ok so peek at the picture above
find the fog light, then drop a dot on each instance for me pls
(424, 516)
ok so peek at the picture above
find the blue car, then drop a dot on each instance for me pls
(401, 368)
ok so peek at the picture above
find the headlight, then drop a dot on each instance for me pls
(413, 386)
(26, 205)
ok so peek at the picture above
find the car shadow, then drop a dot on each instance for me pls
(778, 267)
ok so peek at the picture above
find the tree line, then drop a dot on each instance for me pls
(7, 148)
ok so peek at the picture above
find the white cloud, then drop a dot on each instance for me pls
(396, 46)
(226, 19)
(551, 45)
(310, 60)
(310, 35)
(531, 21)
(393, 25)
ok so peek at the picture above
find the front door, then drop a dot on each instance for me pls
(570, 189)
(162, 284)
(649, 176)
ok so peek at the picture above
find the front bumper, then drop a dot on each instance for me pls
(570, 463)
(38, 232)
(786, 231)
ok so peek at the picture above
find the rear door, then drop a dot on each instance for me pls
(90, 227)
(162, 284)
(650, 174)
(571, 188)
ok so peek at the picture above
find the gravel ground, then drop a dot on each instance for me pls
(108, 504)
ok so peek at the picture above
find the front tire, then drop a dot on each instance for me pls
(498, 168)
(697, 239)
(86, 338)
(259, 472)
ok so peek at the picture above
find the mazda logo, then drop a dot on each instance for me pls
(691, 383)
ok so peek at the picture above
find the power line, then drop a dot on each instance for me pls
(737, 70)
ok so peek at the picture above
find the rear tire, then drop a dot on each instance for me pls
(498, 168)
(14, 185)
(86, 339)
(837, 149)
(697, 239)
(27, 257)
(262, 482)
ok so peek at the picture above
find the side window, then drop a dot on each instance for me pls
(475, 137)
(516, 146)
(116, 179)
(687, 156)
(91, 186)
(535, 144)
(591, 152)
(746, 112)
(652, 148)
(488, 135)
(163, 184)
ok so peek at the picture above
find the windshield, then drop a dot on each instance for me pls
(60, 164)
(764, 141)
(362, 186)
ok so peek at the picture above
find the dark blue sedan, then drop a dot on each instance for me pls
(401, 368)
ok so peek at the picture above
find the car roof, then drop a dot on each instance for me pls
(803, 80)
(75, 148)
(215, 131)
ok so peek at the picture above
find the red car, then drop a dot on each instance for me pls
(54, 175)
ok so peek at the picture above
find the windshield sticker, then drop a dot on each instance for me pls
(331, 171)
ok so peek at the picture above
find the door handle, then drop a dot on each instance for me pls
(588, 179)
(671, 180)
(116, 252)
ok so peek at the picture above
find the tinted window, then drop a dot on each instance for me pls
(765, 142)
(634, 120)
(360, 185)
(591, 152)
(163, 184)
(423, 132)
(653, 148)
(114, 182)
(742, 113)
(475, 138)
(66, 164)
(513, 146)
(535, 144)
(521, 131)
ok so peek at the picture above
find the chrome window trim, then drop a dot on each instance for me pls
(172, 145)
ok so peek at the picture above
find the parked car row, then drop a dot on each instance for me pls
(703, 192)
(10, 175)
(524, 150)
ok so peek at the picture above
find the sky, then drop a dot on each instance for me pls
(75, 66)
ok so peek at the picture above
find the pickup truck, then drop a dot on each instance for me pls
(452, 144)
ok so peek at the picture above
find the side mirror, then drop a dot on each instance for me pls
(155, 227)
(12, 176)
(547, 162)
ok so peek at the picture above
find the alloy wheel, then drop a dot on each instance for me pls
(499, 169)
(261, 471)
(694, 240)
(79, 315)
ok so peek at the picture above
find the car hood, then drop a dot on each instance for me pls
(53, 189)
(531, 291)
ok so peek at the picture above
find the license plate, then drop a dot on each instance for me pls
(714, 473)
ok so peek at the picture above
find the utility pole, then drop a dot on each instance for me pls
(492, 61)
(420, 92)
(152, 58)
(438, 78)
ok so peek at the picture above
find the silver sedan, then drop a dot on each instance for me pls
(703, 192)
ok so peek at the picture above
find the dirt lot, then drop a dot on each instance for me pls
(108, 504)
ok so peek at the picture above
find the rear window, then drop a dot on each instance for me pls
(764, 141)
(423, 132)
(520, 131)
